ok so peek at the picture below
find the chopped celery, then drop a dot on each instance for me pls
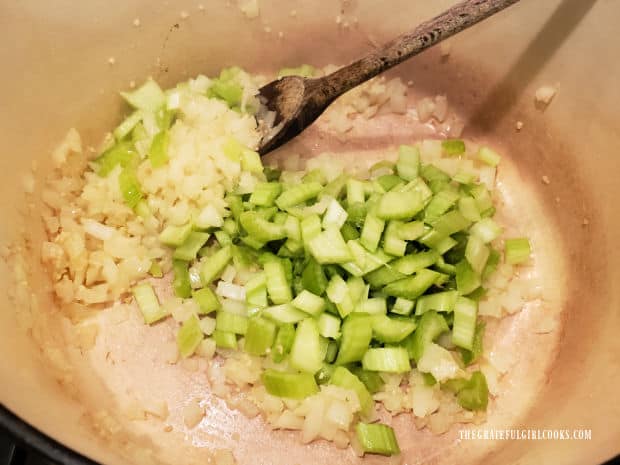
(402, 306)
(329, 247)
(223, 238)
(127, 125)
(329, 325)
(468, 208)
(158, 152)
(259, 336)
(472, 356)
(155, 270)
(371, 379)
(517, 250)
(310, 228)
(453, 146)
(284, 313)
(439, 301)
(309, 303)
(335, 215)
(349, 232)
(259, 228)
(412, 287)
(283, 342)
(148, 303)
(412, 263)
(330, 353)
(233, 149)
(289, 385)
(389, 181)
(335, 187)
(175, 236)
(224, 340)
(355, 192)
(450, 223)
(231, 322)
(190, 247)
(338, 292)
(305, 353)
(387, 360)
(313, 278)
(464, 327)
(130, 187)
(214, 265)
(226, 89)
(181, 284)
(250, 161)
(356, 336)
(467, 280)
(391, 330)
(298, 194)
(345, 379)
(377, 438)
(492, 262)
(292, 228)
(266, 193)
(392, 243)
(486, 229)
(476, 253)
(278, 286)
(206, 299)
(408, 164)
(430, 326)
(371, 232)
(411, 231)
(475, 394)
(189, 336)
(440, 204)
(489, 156)
(148, 97)
(373, 306)
(399, 205)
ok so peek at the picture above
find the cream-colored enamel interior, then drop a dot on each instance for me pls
(57, 75)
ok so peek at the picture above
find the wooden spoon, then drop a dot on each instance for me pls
(298, 101)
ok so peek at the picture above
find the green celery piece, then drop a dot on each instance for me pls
(223, 238)
(356, 336)
(243, 257)
(356, 214)
(377, 438)
(158, 152)
(233, 149)
(313, 278)
(130, 187)
(371, 232)
(330, 353)
(230, 227)
(472, 356)
(338, 292)
(148, 303)
(224, 340)
(251, 161)
(309, 303)
(453, 146)
(430, 326)
(148, 97)
(489, 156)
(373, 306)
(292, 228)
(431, 173)
(382, 276)
(349, 232)
(476, 253)
(316, 175)
(517, 251)
(464, 326)
(272, 174)
(467, 280)
(260, 336)
(128, 125)
(324, 375)
(381, 167)
(303, 71)
(411, 231)
(402, 306)
(213, 266)
(231, 323)
(389, 181)
(283, 342)
(181, 283)
(444, 267)
(306, 353)
(260, 229)
(189, 249)
(391, 330)
(372, 380)
(475, 394)
(253, 243)
(226, 90)
(206, 299)
(440, 204)
(310, 228)
(412, 287)
(284, 313)
(289, 385)
(335, 188)
(439, 301)
(189, 336)
(429, 380)
(468, 208)
(344, 378)
(298, 194)
(491, 265)
(386, 360)
(486, 229)
(355, 192)
(399, 205)
(235, 204)
(278, 287)
(329, 325)
(155, 271)
(392, 243)
(175, 236)
(451, 223)
(482, 196)
(412, 263)
(329, 247)
(408, 164)
(265, 193)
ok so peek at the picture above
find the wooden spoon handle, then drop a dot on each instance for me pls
(455, 19)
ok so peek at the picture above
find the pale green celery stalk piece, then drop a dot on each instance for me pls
(189, 336)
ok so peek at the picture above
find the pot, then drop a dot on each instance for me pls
(66, 61)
